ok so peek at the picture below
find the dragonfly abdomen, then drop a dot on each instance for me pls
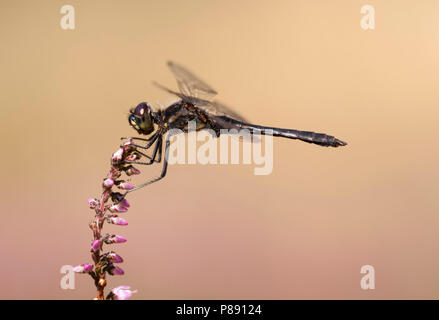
(320, 139)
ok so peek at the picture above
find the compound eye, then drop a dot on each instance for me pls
(133, 121)
(141, 109)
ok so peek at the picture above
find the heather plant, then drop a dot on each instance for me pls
(107, 210)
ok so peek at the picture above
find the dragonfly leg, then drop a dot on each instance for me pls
(153, 139)
(150, 143)
(137, 138)
(143, 154)
(159, 158)
(150, 140)
(164, 169)
(152, 158)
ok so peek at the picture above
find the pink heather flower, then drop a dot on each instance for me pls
(108, 183)
(120, 239)
(125, 203)
(117, 156)
(122, 292)
(128, 146)
(117, 220)
(125, 186)
(114, 238)
(132, 157)
(114, 257)
(129, 142)
(93, 203)
(118, 208)
(132, 171)
(96, 245)
(83, 268)
(116, 271)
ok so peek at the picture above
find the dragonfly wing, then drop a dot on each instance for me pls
(198, 93)
(195, 101)
(217, 108)
(158, 85)
(189, 84)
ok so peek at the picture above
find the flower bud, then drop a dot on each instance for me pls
(83, 268)
(108, 183)
(117, 156)
(96, 245)
(125, 203)
(122, 206)
(118, 208)
(133, 157)
(117, 220)
(115, 271)
(125, 186)
(113, 257)
(93, 203)
(131, 171)
(128, 145)
(114, 238)
(122, 293)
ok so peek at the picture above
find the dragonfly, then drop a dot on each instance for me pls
(195, 104)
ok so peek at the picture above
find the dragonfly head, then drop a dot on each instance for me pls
(140, 118)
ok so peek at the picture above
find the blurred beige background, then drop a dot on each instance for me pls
(220, 232)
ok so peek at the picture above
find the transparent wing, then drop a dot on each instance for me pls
(198, 93)
(215, 108)
(178, 94)
(189, 84)
(193, 100)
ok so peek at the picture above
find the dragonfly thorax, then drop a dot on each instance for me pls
(140, 118)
